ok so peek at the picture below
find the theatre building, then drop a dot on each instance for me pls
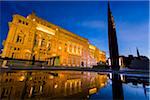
(33, 38)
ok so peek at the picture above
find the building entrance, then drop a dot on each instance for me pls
(54, 61)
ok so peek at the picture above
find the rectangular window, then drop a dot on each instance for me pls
(65, 49)
(19, 39)
(79, 50)
(70, 48)
(75, 49)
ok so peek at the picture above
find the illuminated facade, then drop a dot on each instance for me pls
(34, 38)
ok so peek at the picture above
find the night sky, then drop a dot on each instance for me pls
(88, 19)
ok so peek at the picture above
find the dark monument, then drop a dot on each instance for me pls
(138, 54)
(113, 45)
(117, 89)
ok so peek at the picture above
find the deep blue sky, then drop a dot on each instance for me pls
(89, 19)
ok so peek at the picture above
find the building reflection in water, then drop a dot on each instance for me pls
(120, 82)
(139, 81)
(51, 85)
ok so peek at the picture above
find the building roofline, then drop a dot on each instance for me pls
(56, 26)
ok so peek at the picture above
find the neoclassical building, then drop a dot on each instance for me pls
(34, 38)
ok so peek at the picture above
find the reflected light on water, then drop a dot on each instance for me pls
(51, 77)
(55, 86)
(61, 84)
(21, 78)
(92, 91)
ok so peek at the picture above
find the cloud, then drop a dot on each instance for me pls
(93, 24)
(133, 32)
(132, 35)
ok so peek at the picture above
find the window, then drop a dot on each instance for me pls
(5, 92)
(36, 40)
(10, 80)
(12, 55)
(70, 49)
(11, 47)
(65, 47)
(78, 50)
(75, 49)
(48, 48)
(43, 43)
(29, 39)
(72, 60)
(27, 55)
(33, 19)
(19, 21)
(6, 80)
(69, 61)
(19, 39)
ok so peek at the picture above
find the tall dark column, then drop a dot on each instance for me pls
(117, 88)
(138, 54)
(113, 45)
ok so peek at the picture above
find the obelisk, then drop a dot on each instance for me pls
(117, 88)
(112, 38)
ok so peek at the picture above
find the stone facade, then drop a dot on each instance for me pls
(34, 38)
